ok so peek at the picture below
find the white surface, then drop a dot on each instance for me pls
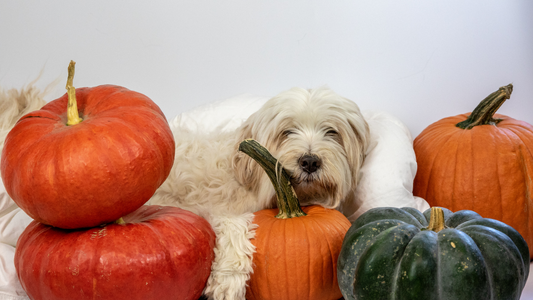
(12, 222)
(419, 60)
(527, 293)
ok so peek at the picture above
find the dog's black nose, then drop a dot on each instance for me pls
(310, 163)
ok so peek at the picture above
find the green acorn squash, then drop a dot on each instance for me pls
(401, 253)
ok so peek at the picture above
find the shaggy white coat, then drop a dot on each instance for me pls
(16, 103)
(211, 178)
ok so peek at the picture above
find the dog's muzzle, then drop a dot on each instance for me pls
(310, 163)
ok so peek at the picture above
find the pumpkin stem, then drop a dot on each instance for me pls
(436, 219)
(73, 116)
(483, 114)
(288, 204)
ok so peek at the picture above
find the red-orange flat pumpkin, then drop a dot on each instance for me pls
(92, 172)
(480, 161)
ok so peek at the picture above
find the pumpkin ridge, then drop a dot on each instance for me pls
(460, 241)
(507, 230)
(430, 133)
(529, 191)
(22, 249)
(472, 165)
(430, 194)
(35, 163)
(374, 289)
(455, 168)
(528, 180)
(330, 250)
(529, 183)
(160, 238)
(306, 263)
(285, 251)
(459, 178)
(475, 231)
(396, 273)
(20, 155)
(503, 133)
(142, 138)
(438, 280)
(266, 242)
(483, 147)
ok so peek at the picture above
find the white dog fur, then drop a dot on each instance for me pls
(15, 103)
(211, 178)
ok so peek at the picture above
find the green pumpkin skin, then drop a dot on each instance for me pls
(389, 254)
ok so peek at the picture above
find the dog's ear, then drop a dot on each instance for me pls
(357, 145)
(247, 171)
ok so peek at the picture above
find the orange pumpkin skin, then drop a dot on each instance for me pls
(488, 169)
(93, 172)
(296, 258)
(159, 253)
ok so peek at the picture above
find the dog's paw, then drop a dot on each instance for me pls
(226, 286)
(233, 257)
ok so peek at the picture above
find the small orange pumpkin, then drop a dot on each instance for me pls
(481, 162)
(296, 248)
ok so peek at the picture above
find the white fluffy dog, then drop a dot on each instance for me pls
(317, 135)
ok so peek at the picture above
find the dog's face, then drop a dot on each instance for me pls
(319, 137)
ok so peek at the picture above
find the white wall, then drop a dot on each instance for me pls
(420, 60)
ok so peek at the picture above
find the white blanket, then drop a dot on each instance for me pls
(387, 173)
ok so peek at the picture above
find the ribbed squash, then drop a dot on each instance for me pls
(393, 253)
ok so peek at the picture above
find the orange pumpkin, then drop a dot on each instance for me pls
(481, 162)
(72, 173)
(296, 248)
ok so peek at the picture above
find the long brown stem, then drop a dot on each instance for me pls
(483, 114)
(73, 116)
(288, 204)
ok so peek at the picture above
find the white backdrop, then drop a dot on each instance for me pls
(419, 60)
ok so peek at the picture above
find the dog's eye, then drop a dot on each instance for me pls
(332, 132)
(287, 132)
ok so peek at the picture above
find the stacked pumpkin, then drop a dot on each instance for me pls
(83, 175)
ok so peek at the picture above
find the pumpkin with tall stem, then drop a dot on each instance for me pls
(296, 247)
(481, 161)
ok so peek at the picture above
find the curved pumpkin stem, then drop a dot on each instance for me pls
(436, 219)
(73, 116)
(288, 204)
(483, 114)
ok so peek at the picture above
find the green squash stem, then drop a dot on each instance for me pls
(288, 204)
(73, 116)
(436, 219)
(483, 114)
